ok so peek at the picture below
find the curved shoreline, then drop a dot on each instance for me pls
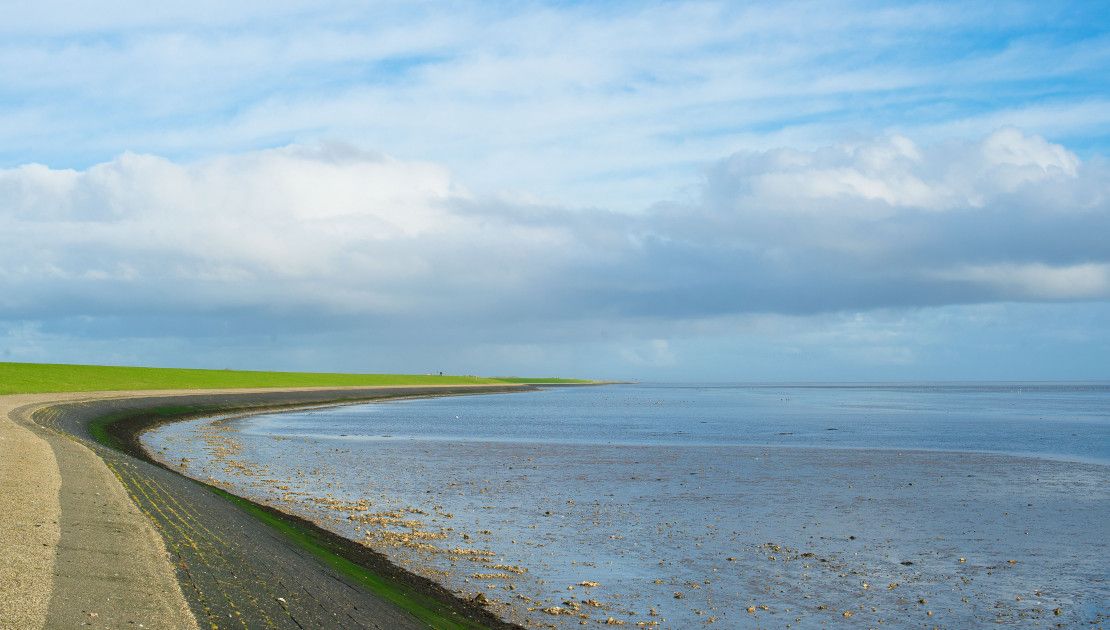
(405, 465)
(359, 585)
(128, 432)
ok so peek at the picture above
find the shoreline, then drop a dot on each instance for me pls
(119, 418)
(131, 430)
(886, 476)
(345, 561)
(1017, 455)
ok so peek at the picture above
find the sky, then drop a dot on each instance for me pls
(679, 191)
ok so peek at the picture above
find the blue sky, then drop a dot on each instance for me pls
(722, 191)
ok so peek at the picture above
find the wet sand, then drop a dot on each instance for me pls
(554, 535)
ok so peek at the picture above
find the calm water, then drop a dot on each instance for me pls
(708, 504)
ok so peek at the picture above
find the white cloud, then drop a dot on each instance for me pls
(324, 227)
(306, 235)
(1010, 147)
(896, 173)
(583, 106)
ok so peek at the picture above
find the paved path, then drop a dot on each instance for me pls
(98, 538)
(76, 550)
(29, 531)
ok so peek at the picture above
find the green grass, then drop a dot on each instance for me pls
(27, 378)
(98, 427)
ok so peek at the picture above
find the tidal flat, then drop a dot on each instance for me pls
(683, 505)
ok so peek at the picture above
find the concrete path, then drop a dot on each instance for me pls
(29, 531)
(76, 551)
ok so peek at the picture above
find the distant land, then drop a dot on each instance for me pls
(28, 378)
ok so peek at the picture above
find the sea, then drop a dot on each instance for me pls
(719, 505)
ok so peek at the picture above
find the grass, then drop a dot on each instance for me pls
(98, 427)
(28, 378)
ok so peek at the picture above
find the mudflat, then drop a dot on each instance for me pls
(608, 501)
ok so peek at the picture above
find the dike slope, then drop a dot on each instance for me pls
(101, 536)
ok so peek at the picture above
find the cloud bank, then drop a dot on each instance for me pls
(329, 237)
(915, 179)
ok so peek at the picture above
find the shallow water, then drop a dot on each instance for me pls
(695, 504)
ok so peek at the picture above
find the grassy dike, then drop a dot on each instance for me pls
(34, 378)
(119, 431)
